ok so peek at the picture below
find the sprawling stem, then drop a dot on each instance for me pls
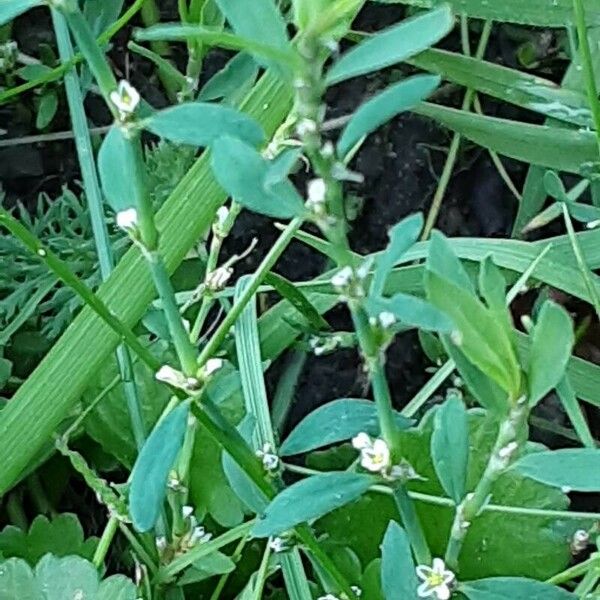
(508, 442)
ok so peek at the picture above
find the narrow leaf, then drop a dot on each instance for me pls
(577, 469)
(402, 236)
(450, 447)
(553, 147)
(336, 421)
(384, 106)
(442, 261)
(393, 45)
(9, 9)
(515, 588)
(551, 346)
(398, 577)
(243, 172)
(200, 123)
(310, 499)
(151, 470)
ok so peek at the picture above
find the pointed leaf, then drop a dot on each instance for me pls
(450, 447)
(310, 499)
(551, 346)
(442, 261)
(151, 470)
(402, 236)
(232, 78)
(573, 468)
(398, 576)
(384, 106)
(9, 9)
(243, 173)
(336, 421)
(200, 123)
(393, 45)
(515, 588)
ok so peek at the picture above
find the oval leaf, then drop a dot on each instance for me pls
(551, 346)
(151, 470)
(243, 173)
(9, 9)
(450, 447)
(393, 45)
(515, 588)
(398, 576)
(310, 499)
(333, 422)
(200, 123)
(383, 107)
(574, 468)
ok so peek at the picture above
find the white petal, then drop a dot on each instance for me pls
(442, 592)
(425, 590)
(381, 448)
(424, 571)
(439, 566)
(361, 441)
(449, 576)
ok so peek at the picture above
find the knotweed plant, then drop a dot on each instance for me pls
(358, 499)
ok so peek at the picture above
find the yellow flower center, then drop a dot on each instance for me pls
(435, 579)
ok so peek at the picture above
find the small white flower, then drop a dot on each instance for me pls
(217, 280)
(342, 278)
(317, 192)
(187, 511)
(580, 541)
(357, 591)
(437, 580)
(270, 460)
(374, 454)
(199, 536)
(278, 544)
(386, 319)
(127, 219)
(172, 376)
(212, 366)
(125, 98)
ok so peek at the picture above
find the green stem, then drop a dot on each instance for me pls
(576, 570)
(266, 265)
(442, 186)
(261, 574)
(105, 541)
(412, 524)
(587, 64)
(506, 447)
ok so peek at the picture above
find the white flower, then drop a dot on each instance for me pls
(374, 454)
(125, 98)
(172, 376)
(342, 278)
(278, 544)
(127, 219)
(317, 191)
(187, 511)
(386, 319)
(212, 366)
(437, 580)
(199, 536)
(270, 460)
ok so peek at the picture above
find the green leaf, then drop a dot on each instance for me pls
(46, 109)
(551, 346)
(522, 89)
(310, 499)
(411, 311)
(543, 13)
(336, 421)
(243, 172)
(17, 581)
(450, 447)
(201, 123)
(515, 588)
(62, 536)
(442, 261)
(151, 470)
(115, 168)
(398, 577)
(67, 577)
(383, 107)
(393, 45)
(553, 147)
(554, 186)
(286, 289)
(9, 9)
(259, 21)
(402, 236)
(117, 587)
(226, 84)
(573, 468)
(215, 563)
(482, 339)
(33, 71)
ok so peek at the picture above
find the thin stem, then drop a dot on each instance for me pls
(138, 548)
(266, 265)
(440, 192)
(575, 571)
(261, 574)
(105, 541)
(588, 65)
(235, 557)
(412, 524)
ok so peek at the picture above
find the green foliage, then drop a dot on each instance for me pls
(9, 9)
(151, 470)
(398, 579)
(497, 588)
(57, 578)
(61, 536)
